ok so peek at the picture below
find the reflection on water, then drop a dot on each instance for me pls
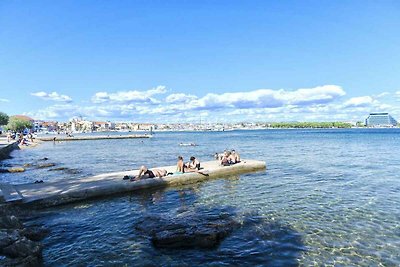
(329, 197)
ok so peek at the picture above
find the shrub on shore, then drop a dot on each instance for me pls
(3, 118)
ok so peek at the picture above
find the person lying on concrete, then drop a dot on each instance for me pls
(145, 173)
(193, 165)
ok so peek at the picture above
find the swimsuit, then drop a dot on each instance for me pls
(149, 173)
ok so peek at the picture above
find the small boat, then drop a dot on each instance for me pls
(187, 144)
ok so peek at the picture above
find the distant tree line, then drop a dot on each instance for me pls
(309, 125)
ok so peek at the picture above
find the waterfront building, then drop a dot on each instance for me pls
(380, 120)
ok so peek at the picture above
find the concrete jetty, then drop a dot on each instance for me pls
(71, 190)
(6, 148)
(92, 137)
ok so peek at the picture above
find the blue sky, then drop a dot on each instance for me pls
(175, 61)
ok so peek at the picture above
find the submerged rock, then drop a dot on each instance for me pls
(35, 233)
(59, 169)
(12, 169)
(16, 169)
(45, 165)
(189, 230)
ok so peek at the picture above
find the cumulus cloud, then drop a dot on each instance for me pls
(267, 98)
(180, 98)
(361, 101)
(129, 96)
(54, 96)
(325, 103)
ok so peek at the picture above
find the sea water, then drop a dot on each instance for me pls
(328, 197)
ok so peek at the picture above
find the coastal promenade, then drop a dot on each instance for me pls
(71, 190)
(92, 137)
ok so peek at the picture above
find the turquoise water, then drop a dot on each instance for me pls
(328, 197)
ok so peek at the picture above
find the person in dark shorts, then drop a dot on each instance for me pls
(145, 173)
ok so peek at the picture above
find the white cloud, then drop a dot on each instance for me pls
(267, 98)
(55, 112)
(361, 101)
(129, 96)
(180, 98)
(54, 96)
(323, 103)
(4, 100)
(382, 94)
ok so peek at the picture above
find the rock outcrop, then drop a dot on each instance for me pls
(20, 245)
(188, 230)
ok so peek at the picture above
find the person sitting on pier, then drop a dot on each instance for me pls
(193, 165)
(235, 156)
(230, 158)
(225, 159)
(145, 173)
(180, 166)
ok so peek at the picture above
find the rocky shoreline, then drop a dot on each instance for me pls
(19, 245)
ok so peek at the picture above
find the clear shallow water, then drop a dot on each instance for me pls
(327, 197)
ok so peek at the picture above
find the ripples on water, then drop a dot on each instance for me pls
(328, 197)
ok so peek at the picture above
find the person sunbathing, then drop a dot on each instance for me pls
(145, 173)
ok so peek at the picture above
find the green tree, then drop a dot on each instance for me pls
(3, 118)
(18, 125)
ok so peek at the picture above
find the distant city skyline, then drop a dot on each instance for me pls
(182, 61)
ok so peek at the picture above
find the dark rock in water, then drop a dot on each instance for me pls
(23, 248)
(72, 171)
(10, 222)
(35, 233)
(189, 230)
(66, 170)
(7, 238)
(45, 165)
(45, 158)
(59, 169)
(29, 261)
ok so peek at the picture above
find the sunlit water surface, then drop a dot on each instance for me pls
(327, 197)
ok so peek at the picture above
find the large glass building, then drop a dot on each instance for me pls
(380, 120)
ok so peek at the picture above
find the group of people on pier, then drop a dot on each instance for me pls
(227, 158)
(192, 166)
